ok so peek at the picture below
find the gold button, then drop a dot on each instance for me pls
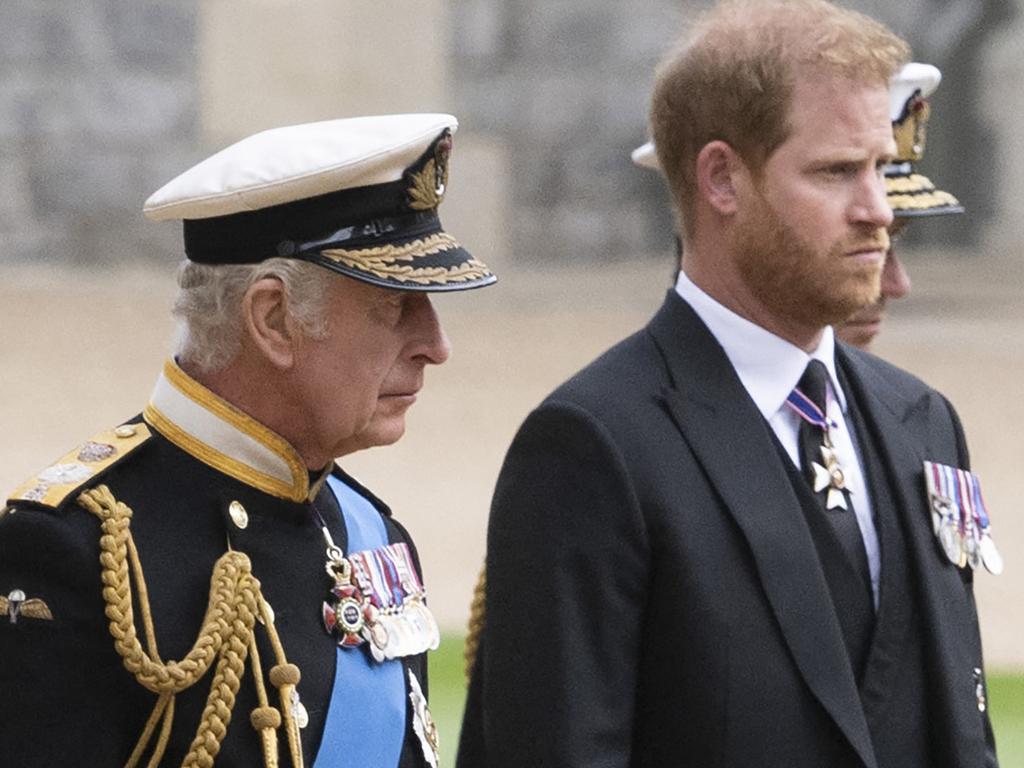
(238, 514)
(125, 430)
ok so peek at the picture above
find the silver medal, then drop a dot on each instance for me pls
(435, 631)
(949, 538)
(972, 550)
(299, 710)
(940, 510)
(990, 555)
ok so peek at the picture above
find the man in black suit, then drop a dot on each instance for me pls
(730, 541)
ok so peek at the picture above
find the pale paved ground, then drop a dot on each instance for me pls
(80, 351)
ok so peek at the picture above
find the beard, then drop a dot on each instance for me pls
(801, 282)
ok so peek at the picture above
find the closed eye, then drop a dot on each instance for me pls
(841, 170)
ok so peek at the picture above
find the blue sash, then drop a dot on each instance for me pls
(365, 724)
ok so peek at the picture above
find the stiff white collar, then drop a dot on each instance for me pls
(768, 366)
(220, 435)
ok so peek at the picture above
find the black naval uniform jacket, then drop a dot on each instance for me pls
(65, 695)
(654, 596)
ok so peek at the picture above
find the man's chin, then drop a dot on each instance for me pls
(378, 433)
(860, 332)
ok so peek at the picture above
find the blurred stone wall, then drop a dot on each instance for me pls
(97, 106)
(101, 101)
(565, 84)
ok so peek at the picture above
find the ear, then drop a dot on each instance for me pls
(267, 323)
(717, 169)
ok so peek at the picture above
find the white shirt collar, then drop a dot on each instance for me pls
(768, 366)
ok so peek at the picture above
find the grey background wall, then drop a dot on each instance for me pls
(564, 86)
(103, 100)
(89, 91)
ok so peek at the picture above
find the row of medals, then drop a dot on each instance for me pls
(962, 537)
(392, 632)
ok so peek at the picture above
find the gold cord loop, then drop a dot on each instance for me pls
(224, 642)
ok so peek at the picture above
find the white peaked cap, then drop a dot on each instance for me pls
(645, 156)
(358, 196)
(913, 77)
(282, 165)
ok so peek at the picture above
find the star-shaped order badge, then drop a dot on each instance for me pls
(829, 477)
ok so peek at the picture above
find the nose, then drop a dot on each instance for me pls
(895, 280)
(871, 206)
(430, 344)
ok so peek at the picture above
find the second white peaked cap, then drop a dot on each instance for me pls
(912, 78)
(358, 196)
(909, 192)
(281, 165)
(645, 156)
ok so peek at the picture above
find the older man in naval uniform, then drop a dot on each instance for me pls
(730, 541)
(202, 584)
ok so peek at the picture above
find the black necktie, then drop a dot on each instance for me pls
(812, 439)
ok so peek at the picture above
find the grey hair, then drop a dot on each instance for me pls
(209, 302)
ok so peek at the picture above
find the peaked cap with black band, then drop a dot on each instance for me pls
(908, 192)
(911, 193)
(358, 196)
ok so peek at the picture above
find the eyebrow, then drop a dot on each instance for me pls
(851, 156)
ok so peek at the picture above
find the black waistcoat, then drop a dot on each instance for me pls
(885, 649)
(850, 592)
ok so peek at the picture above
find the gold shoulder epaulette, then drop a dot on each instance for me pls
(52, 486)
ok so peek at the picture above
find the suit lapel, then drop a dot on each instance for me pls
(731, 440)
(895, 421)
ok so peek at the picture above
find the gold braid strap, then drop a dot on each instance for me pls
(477, 615)
(226, 637)
(285, 677)
(265, 720)
(220, 702)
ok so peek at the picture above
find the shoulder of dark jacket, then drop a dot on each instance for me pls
(59, 484)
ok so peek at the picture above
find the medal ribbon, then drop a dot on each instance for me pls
(964, 492)
(979, 504)
(967, 514)
(962, 501)
(395, 593)
(368, 579)
(386, 575)
(807, 410)
(400, 556)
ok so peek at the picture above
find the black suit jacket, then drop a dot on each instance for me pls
(654, 597)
